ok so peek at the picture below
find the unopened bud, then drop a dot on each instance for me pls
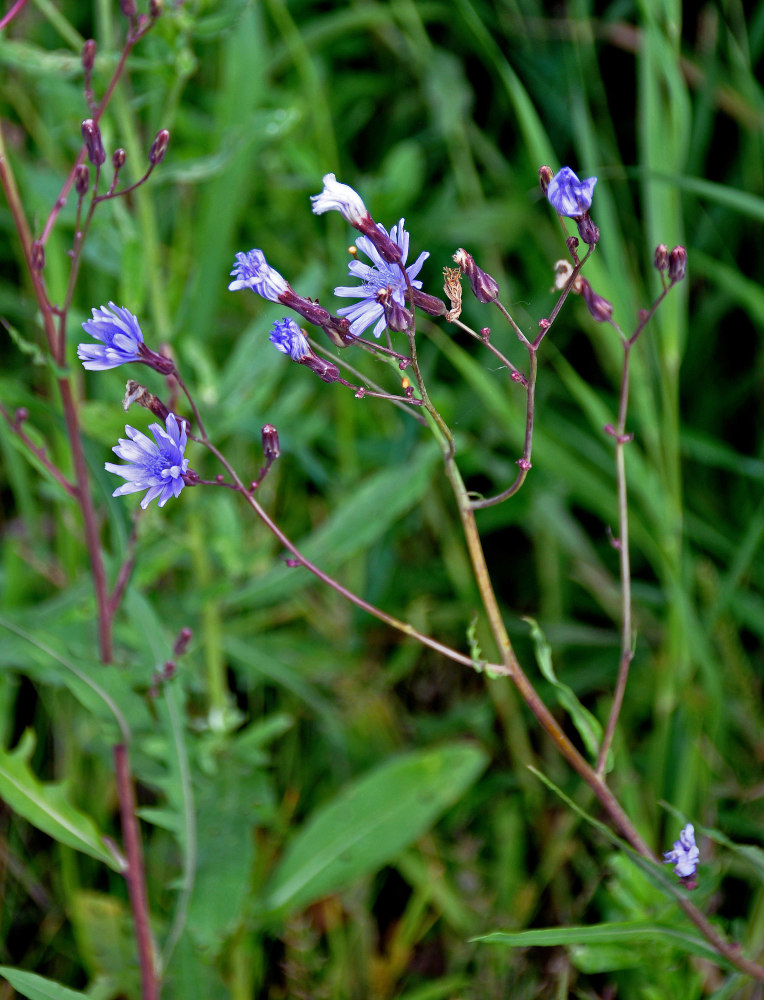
(397, 317)
(155, 9)
(677, 266)
(428, 303)
(270, 439)
(600, 308)
(128, 7)
(588, 232)
(37, 253)
(484, 287)
(91, 133)
(182, 641)
(325, 370)
(81, 179)
(661, 257)
(545, 177)
(118, 158)
(159, 147)
(88, 55)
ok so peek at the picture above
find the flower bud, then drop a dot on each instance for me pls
(91, 133)
(159, 147)
(588, 232)
(397, 317)
(88, 55)
(182, 641)
(81, 179)
(270, 440)
(545, 177)
(677, 266)
(155, 9)
(484, 287)
(37, 253)
(600, 308)
(325, 370)
(118, 158)
(428, 303)
(128, 7)
(661, 257)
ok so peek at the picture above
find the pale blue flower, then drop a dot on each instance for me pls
(289, 339)
(252, 270)
(684, 856)
(570, 196)
(121, 338)
(158, 468)
(379, 275)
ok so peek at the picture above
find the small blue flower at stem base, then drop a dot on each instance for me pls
(568, 195)
(252, 270)
(157, 467)
(289, 339)
(121, 336)
(375, 277)
(685, 854)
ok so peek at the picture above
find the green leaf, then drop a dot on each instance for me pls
(587, 725)
(634, 932)
(37, 987)
(47, 807)
(369, 822)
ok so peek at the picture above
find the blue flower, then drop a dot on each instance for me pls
(252, 270)
(158, 468)
(570, 196)
(341, 197)
(121, 338)
(684, 856)
(289, 339)
(379, 276)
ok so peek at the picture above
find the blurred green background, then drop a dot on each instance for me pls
(439, 113)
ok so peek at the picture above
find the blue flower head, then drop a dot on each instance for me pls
(120, 336)
(289, 339)
(158, 468)
(379, 275)
(252, 270)
(684, 856)
(570, 196)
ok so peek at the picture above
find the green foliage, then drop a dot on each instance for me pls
(329, 810)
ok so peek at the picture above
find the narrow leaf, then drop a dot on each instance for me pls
(370, 822)
(47, 806)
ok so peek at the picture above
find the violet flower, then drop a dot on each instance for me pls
(157, 467)
(120, 335)
(379, 275)
(568, 195)
(684, 856)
